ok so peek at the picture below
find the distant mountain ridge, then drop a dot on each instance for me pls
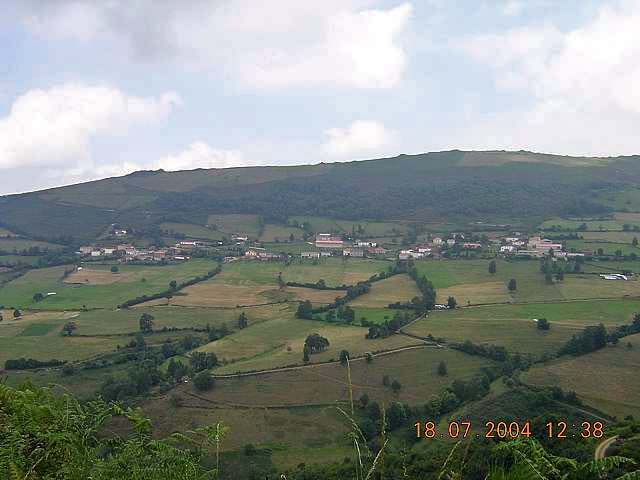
(424, 187)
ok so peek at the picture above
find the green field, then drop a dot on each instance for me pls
(280, 233)
(614, 237)
(374, 315)
(138, 280)
(19, 244)
(19, 259)
(360, 227)
(109, 322)
(334, 271)
(513, 326)
(192, 231)
(608, 248)
(614, 223)
(235, 223)
(279, 342)
(606, 379)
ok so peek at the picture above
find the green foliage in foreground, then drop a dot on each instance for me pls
(43, 436)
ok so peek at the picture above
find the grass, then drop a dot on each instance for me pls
(374, 315)
(141, 280)
(301, 430)
(398, 288)
(279, 233)
(19, 244)
(608, 248)
(192, 231)
(108, 322)
(236, 223)
(369, 229)
(19, 259)
(512, 326)
(37, 329)
(615, 237)
(334, 271)
(470, 281)
(279, 342)
(217, 293)
(606, 379)
(71, 348)
(416, 370)
(615, 222)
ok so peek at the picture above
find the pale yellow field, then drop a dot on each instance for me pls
(399, 288)
(607, 379)
(280, 341)
(313, 295)
(474, 293)
(217, 294)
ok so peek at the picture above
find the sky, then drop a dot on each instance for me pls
(97, 89)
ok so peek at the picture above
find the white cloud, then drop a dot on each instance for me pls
(583, 83)
(54, 127)
(362, 136)
(347, 43)
(201, 155)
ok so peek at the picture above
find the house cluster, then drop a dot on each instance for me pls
(535, 246)
(129, 253)
(330, 244)
(259, 253)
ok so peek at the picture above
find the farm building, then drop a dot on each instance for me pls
(327, 240)
(310, 254)
(353, 252)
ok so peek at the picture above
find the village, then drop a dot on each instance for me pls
(240, 245)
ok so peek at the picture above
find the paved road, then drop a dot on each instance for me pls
(602, 447)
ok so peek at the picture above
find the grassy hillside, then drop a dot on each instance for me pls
(428, 187)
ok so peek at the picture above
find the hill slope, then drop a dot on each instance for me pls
(426, 187)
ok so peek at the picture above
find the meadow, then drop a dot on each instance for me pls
(236, 223)
(606, 379)
(513, 326)
(279, 342)
(334, 271)
(13, 244)
(361, 227)
(192, 231)
(398, 288)
(279, 233)
(140, 280)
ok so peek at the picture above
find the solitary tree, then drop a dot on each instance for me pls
(396, 386)
(364, 400)
(492, 267)
(451, 302)
(203, 381)
(305, 354)
(344, 357)
(442, 369)
(115, 269)
(38, 297)
(543, 324)
(386, 380)
(242, 321)
(173, 285)
(512, 286)
(68, 328)
(146, 323)
(316, 343)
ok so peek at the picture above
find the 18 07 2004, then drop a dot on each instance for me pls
(500, 429)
